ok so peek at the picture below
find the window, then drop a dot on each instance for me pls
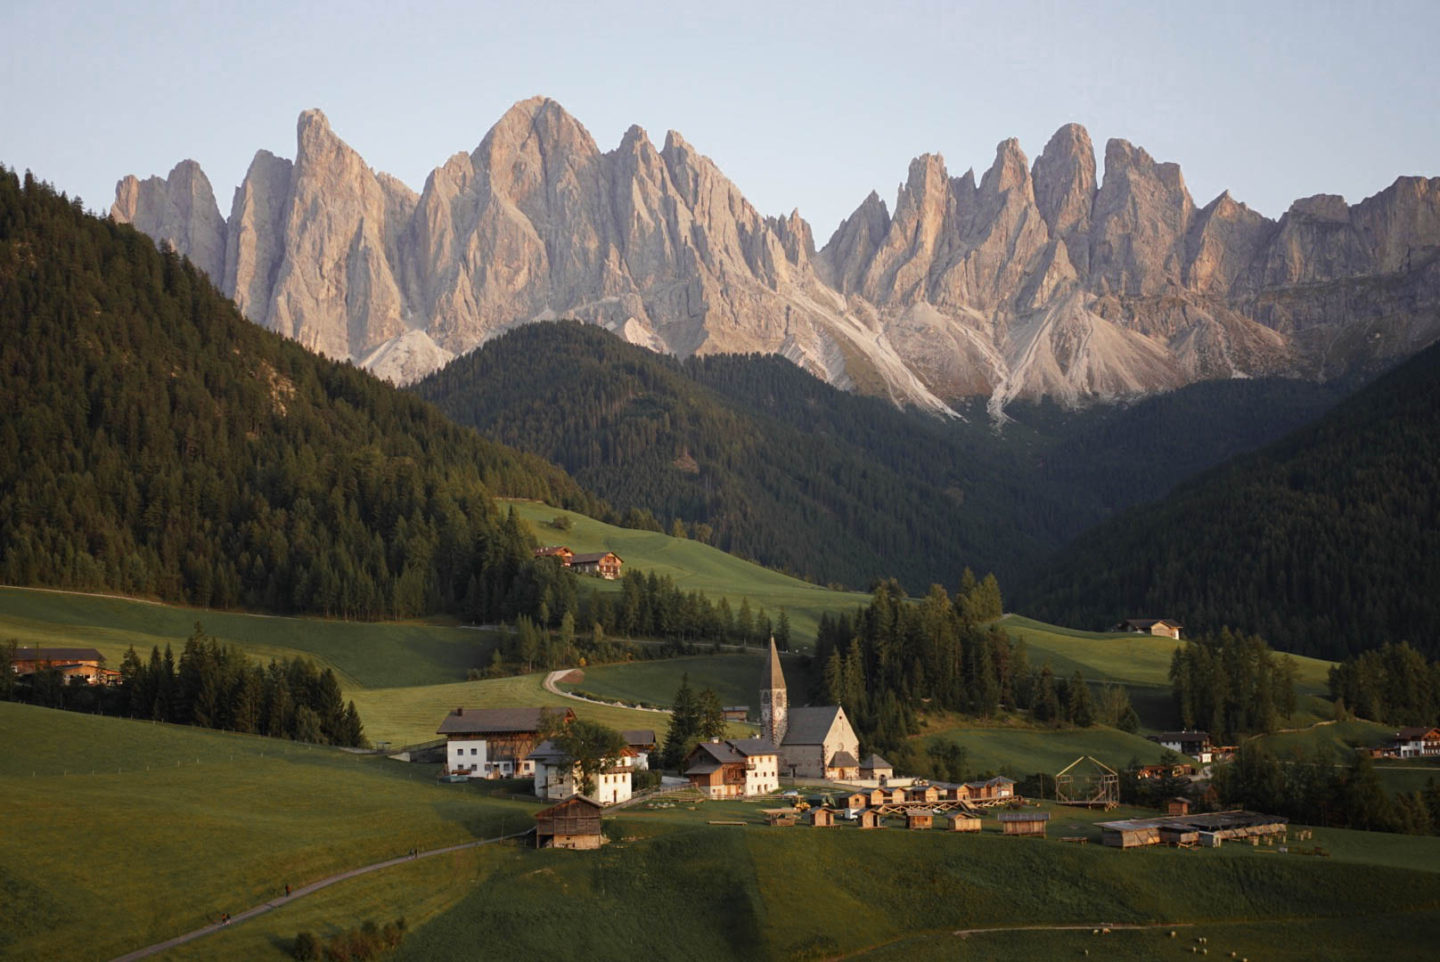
(472, 751)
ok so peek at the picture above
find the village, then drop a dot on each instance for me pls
(804, 768)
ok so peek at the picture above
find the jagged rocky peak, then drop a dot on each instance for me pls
(1030, 279)
(179, 210)
(1064, 178)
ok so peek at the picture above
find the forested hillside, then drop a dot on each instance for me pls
(154, 442)
(1325, 543)
(761, 459)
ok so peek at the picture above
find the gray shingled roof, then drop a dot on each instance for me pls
(547, 751)
(752, 746)
(843, 760)
(874, 762)
(497, 721)
(638, 736)
(808, 726)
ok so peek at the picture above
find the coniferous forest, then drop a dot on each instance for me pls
(156, 443)
(1326, 543)
(761, 459)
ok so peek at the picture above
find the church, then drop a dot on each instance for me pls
(812, 742)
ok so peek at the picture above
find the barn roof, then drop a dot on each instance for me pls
(593, 557)
(638, 736)
(496, 721)
(1023, 816)
(809, 726)
(574, 801)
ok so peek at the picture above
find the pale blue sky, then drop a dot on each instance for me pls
(808, 105)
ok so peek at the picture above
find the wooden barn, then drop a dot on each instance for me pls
(964, 823)
(871, 819)
(1023, 822)
(606, 564)
(1209, 829)
(822, 817)
(919, 818)
(858, 800)
(573, 823)
(1177, 806)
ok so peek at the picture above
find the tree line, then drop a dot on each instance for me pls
(1321, 789)
(1393, 684)
(1231, 684)
(895, 658)
(211, 685)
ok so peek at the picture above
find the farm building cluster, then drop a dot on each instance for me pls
(605, 564)
(508, 743)
(1415, 742)
(1185, 830)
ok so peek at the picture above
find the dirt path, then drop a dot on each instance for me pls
(301, 892)
(554, 689)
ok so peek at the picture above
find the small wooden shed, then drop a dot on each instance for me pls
(871, 819)
(878, 797)
(1023, 822)
(1177, 806)
(964, 823)
(928, 794)
(919, 818)
(573, 823)
(857, 800)
(779, 816)
(822, 817)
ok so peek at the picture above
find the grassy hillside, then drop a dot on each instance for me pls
(1327, 542)
(760, 893)
(158, 829)
(365, 654)
(694, 566)
(406, 716)
(1020, 752)
(216, 823)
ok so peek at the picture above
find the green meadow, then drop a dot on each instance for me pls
(368, 654)
(735, 677)
(407, 716)
(1024, 751)
(122, 833)
(695, 567)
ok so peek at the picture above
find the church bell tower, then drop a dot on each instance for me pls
(774, 702)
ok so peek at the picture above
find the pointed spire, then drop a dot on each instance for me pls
(774, 701)
(774, 676)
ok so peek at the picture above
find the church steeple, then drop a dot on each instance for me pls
(774, 701)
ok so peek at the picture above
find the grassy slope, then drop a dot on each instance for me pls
(177, 825)
(1022, 752)
(755, 893)
(405, 716)
(696, 566)
(163, 851)
(373, 655)
(734, 677)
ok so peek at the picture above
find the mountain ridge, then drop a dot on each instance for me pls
(1031, 280)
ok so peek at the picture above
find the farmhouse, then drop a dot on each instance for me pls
(606, 564)
(556, 551)
(1416, 742)
(1195, 744)
(1208, 829)
(1023, 822)
(86, 663)
(574, 823)
(494, 742)
(812, 742)
(737, 768)
(557, 776)
(1163, 627)
(642, 742)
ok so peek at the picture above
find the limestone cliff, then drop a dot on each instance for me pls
(1036, 280)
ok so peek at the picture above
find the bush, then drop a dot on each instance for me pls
(306, 947)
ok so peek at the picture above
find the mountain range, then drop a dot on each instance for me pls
(1045, 279)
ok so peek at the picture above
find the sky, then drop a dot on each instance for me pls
(802, 105)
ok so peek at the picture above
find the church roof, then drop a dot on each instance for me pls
(773, 676)
(874, 762)
(809, 726)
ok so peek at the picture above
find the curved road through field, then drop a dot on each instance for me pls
(303, 891)
(554, 689)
